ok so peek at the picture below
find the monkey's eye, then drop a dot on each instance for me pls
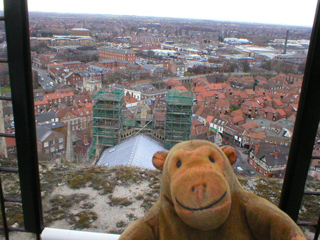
(179, 164)
(211, 159)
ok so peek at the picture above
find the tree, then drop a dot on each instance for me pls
(245, 66)
(266, 65)
(233, 67)
(282, 67)
(301, 68)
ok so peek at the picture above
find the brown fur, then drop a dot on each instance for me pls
(201, 198)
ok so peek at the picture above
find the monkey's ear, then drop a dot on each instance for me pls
(159, 159)
(231, 153)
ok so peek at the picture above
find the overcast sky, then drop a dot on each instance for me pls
(287, 12)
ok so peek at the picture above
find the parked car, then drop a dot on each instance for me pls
(239, 169)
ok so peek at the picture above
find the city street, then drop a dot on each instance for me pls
(242, 166)
(44, 80)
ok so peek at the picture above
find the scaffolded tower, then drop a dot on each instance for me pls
(107, 119)
(178, 117)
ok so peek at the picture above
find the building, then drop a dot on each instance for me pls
(107, 120)
(178, 117)
(77, 118)
(84, 41)
(269, 159)
(49, 141)
(117, 54)
(250, 109)
(80, 32)
(178, 68)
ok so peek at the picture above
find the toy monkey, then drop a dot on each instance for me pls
(202, 199)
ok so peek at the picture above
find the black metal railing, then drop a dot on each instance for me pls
(3, 200)
(19, 61)
(305, 130)
(315, 225)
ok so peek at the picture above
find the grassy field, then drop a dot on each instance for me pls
(5, 90)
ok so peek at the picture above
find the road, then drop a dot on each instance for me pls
(242, 162)
(44, 79)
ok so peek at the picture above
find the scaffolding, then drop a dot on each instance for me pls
(107, 119)
(178, 117)
(140, 121)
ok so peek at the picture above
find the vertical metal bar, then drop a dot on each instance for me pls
(316, 234)
(3, 211)
(18, 45)
(305, 129)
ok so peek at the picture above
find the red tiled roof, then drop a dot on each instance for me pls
(130, 99)
(182, 88)
(199, 89)
(259, 100)
(41, 102)
(278, 102)
(200, 110)
(215, 86)
(67, 94)
(208, 93)
(236, 112)
(250, 125)
(221, 95)
(243, 95)
(250, 104)
(281, 112)
(209, 119)
(249, 91)
(269, 99)
(222, 103)
(200, 99)
(172, 82)
(238, 119)
(198, 127)
(259, 135)
(89, 105)
(52, 96)
(295, 106)
(269, 109)
(10, 142)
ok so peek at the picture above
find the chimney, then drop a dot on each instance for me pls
(275, 154)
(286, 43)
(85, 140)
(257, 148)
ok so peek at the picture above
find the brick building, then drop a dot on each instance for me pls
(118, 54)
(269, 159)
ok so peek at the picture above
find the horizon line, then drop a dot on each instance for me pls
(168, 17)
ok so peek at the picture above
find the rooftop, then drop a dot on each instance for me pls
(135, 151)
